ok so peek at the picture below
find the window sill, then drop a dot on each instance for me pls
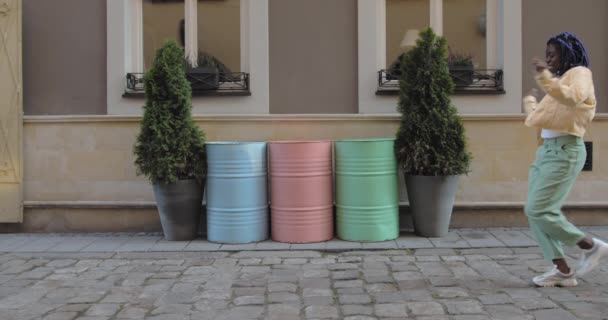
(141, 95)
(466, 82)
(457, 92)
(203, 83)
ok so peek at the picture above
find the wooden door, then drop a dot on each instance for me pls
(11, 113)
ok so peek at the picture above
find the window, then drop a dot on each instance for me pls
(215, 36)
(233, 32)
(462, 22)
(484, 34)
(218, 29)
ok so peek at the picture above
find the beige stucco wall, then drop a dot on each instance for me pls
(313, 56)
(91, 159)
(543, 19)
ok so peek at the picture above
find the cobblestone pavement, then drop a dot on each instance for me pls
(469, 274)
(422, 284)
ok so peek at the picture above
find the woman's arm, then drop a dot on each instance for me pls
(530, 103)
(571, 93)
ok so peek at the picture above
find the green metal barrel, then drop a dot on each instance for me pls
(367, 200)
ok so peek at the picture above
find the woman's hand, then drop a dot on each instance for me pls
(539, 64)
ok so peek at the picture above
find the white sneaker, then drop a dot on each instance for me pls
(555, 278)
(591, 258)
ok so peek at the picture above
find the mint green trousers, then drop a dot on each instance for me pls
(558, 162)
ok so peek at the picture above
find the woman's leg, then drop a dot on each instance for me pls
(551, 177)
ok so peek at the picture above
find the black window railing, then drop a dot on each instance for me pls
(466, 81)
(203, 84)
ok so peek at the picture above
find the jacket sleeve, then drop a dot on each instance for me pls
(574, 92)
(529, 104)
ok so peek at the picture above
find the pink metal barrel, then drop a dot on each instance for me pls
(301, 204)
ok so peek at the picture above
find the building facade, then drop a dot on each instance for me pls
(314, 71)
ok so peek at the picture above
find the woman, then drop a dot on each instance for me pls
(563, 115)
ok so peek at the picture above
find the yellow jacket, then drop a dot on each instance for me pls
(569, 103)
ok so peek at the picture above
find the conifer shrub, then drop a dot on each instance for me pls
(431, 138)
(170, 146)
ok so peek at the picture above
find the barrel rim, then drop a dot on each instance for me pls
(298, 141)
(234, 142)
(366, 140)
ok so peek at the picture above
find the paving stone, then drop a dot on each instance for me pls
(279, 254)
(349, 310)
(452, 240)
(321, 312)
(428, 258)
(104, 309)
(513, 238)
(436, 317)
(344, 291)
(522, 293)
(316, 273)
(425, 308)
(131, 313)
(278, 297)
(354, 299)
(319, 301)
(345, 275)
(480, 238)
(463, 307)
(348, 284)
(499, 298)
(413, 242)
(397, 310)
(283, 312)
(311, 292)
(240, 312)
(343, 245)
(553, 314)
(471, 317)
(325, 260)
(434, 252)
(534, 303)
(505, 311)
(448, 293)
(358, 317)
(416, 295)
(61, 316)
(380, 287)
(587, 310)
(316, 283)
(272, 245)
(443, 281)
(249, 300)
(380, 245)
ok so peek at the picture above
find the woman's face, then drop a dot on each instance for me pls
(552, 58)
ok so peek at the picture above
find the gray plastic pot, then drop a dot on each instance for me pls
(180, 206)
(431, 202)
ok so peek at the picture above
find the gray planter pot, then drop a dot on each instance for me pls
(431, 202)
(180, 206)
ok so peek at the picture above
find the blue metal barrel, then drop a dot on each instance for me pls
(237, 198)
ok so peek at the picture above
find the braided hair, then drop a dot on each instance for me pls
(572, 52)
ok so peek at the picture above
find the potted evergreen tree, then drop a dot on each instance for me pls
(431, 144)
(170, 147)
